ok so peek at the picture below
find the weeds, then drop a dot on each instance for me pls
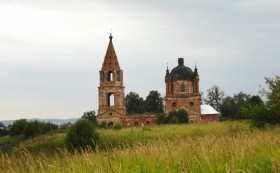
(220, 147)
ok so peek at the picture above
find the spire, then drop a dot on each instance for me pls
(110, 60)
(195, 70)
(111, 37)
(167, 71)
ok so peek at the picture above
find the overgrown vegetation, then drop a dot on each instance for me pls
(214, 147)
(173, 117)
(31, 129)
(81, 135)
(268, 112)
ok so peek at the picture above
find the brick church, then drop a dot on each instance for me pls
(182, 92)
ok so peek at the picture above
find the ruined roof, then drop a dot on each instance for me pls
(110, 60)
(207, 109)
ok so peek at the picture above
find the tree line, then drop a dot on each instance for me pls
(246, 106)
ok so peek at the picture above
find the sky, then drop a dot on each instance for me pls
(51, 51)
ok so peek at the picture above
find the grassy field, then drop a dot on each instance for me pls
(215, 147)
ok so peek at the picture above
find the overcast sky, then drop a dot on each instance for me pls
(51, 51)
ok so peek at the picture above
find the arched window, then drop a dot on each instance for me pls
(136, 123)
(111, 99)
(110, 76)
(102, 76)
(110, 124)
(118, 76)
(182, 88)
(190, 89)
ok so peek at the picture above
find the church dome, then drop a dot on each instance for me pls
(182, 72)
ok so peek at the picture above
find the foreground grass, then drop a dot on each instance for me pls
(219, 147)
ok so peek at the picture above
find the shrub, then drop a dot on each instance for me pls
(103, 125)
(182, 116)
(17, 127)
(160, 119)
(31, 129)
(117, 127)
(175, 117)
(174, 120)
(82, 134)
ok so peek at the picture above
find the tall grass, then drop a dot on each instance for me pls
(220, 147)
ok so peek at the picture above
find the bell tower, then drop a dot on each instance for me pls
(111, 89)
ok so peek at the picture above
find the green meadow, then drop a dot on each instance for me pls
(213, 147)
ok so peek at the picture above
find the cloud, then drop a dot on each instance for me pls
(51, 51)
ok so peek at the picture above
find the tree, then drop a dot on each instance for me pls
(255, 100)
(269, 112)
(228, 108)
(175, 117)
(91, 116)
(65, 125)
(32, 129)
(17, 127)
(160, 118)
(154, 102)
(182, 116)
(3, 129)
(134, 103)
(241, 100)
(214, 97)
(273, 95)
(82, 134)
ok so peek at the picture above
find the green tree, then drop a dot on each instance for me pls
(161, 118)
(174, 120)
(273, 94)
(134, 103)
(91, 116)
(231, 107)
(182, 116)
(154, 102)
(214, 97)
(3, 129)
(17, 127)
(255, 100)
(269, 112)
(82, 134)
(32, 129)
(228, 108)
(65, 125)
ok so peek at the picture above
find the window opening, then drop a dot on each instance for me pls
(135, 123)
(182, 88)
(110, 124)
(111, 99)
(110, 76)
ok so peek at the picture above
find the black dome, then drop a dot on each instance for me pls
(182, 72)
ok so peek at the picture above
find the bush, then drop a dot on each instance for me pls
(176, 117)
(82, 134)
(31, 129)
(182, 116)
(17, 127)
(117, 127)
(160, 119)
(174, 120)
(103, 125)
